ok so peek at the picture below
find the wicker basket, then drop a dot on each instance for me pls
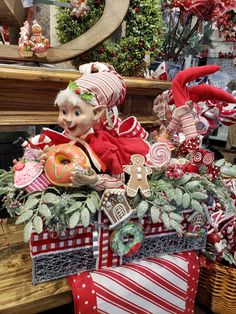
(217, 290)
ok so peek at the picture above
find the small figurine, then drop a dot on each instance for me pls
(25, 45)
(80, 8)
(41, 43)
(138, 176)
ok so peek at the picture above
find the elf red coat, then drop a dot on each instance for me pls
(112, 152)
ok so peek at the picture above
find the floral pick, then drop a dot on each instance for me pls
(86, 96)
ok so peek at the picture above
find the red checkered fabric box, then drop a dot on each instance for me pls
(106, 258)
(49, 242)
(82, 249)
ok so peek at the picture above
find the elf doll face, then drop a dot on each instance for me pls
(77, 119)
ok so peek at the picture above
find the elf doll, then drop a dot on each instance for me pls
(82, 110)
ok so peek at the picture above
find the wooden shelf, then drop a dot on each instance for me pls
(27, 95)
(9, 118)
(22, 118)
(18, 295)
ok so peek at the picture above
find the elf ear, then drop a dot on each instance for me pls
(98, 112)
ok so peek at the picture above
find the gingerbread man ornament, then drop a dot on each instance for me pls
(138, 176)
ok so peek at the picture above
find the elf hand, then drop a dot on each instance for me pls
(83, 178)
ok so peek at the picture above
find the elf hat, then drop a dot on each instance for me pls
(102, 88)
(208, 92)
(179, 89)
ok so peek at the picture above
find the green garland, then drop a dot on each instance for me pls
(59, 208)
(143, 33)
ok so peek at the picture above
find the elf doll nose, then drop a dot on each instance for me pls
(67, 120)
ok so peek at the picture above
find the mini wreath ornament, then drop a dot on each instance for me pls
(84, 95)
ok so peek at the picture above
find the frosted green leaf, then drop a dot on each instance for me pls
(31, 203)
(170, 193)
(186, 200)
(22, 209)
(142, 208)
(81, 195)
(155, 214)
(220, 162)
(191, 185)
(74, 207)
(178, 197)
(185, 178)
(27, 231)
(196, 206)
(51, 198)
(44, 210)
(176, 217)
(91, 205)
(160, 201)
(176, 226)
(95, 200)
(229, 258)
(74, 219)
(85, 217)
(164, 185)
(38, 224)
(167, 208)
(166, 220)
(95, 194)
(199, 196)
(25, 216)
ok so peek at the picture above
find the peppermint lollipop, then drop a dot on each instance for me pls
(159, 155)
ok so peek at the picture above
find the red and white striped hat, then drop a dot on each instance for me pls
(106, 85)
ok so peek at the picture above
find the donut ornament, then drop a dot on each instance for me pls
(127, 240)
(61, 160)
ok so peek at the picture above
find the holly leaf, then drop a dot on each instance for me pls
(73, 86)
(86, 96)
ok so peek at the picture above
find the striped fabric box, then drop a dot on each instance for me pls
(166, 284)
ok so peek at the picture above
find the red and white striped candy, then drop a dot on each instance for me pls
(159, 155)
(197, 157)
(208, 158)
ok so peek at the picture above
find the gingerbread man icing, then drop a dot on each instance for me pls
(138, 176)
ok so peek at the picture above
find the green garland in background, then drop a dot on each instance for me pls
(144, 32)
